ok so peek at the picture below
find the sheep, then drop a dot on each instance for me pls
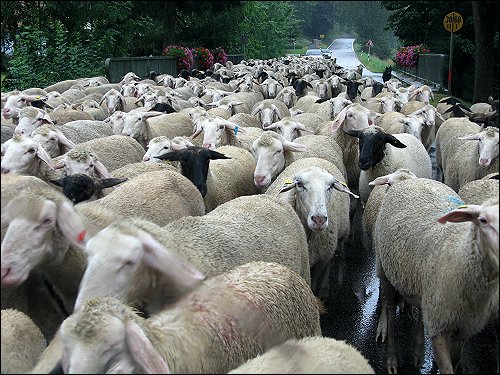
(387, 75)
(352, 117)
(81, 187)
(23, 155)
(61, 86)
(423, 94)
(310, 184)
(143, 126)
(477, 191)
(371, 91)
(289, 128)
(309, 355)
(7, 133)
(256, 305)
(63, 116)
(411, 124)
(219, 175)
(457, 158)
(383, 104)
(374, 201)
(52, 140)
(22, 342)
(322, 88)
(102, 89)
(142, 195)
(270, 150)
(30, 118)
(161, 145)
(381, 153)
(330, 108)
(93, 108)
(14, 102)
(245, 120)
(217, 131)
(41, 235)
(97, 157)
(271, 87)
(288, 96)
(310, 121)
(196, 239)
(449, 271)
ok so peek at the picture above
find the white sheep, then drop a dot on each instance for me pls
(52, 140)
(289, 128)
(269, 111)
(315, 188)
(63, 115)
(449, 271)
(144, 126)
(381, 153)
(226, 321)
(423, 94)
(309, 355)
(245, 120)
(462, 160)
(217, 131)
(23, 155)
(310, 121)
(330, 108)
(161, 145)
(85, 130)
(288, 96)
(30, 118)
(22, 342)
(196, 239)
(477, 191)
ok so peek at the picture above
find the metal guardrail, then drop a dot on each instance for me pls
(117, 67)
(431, 70)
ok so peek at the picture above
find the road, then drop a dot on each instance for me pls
(343, 51)
(353, 308)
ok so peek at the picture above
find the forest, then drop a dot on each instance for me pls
(46, 41)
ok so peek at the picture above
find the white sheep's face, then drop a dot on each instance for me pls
(96, 348)
(287, 128)
(313, 188)
(25, 244)
(213, 132)
(134, 125)
(116, 121)
(488, 147)
(49, 141)
(22, 156)
(413, 125)
(14, 101)
(156, 148)
(114, 260)
(270, 161)
(30, 120)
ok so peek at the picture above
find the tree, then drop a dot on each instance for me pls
(485, 15)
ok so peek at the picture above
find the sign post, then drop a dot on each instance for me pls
(452, 22)
(369, 44)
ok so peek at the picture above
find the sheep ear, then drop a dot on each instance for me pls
(389, 138)
(293, 146)
(214, 155)
(64, 140)
(142, 350)
(101, 169)
(382, 180)
(461, 214)
(184, 276)
(44, 156)
(339, 120)
(288, 185)
(172, 156)
(109, 182)
(71, 225)
(470, 137)
(342, 186)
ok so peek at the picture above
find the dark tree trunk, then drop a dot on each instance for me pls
(485, 18)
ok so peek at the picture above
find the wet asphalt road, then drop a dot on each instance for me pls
(353, 308)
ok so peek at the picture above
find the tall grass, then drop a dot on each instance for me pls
(373, 63)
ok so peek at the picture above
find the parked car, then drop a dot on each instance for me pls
(314, 53)
(327, 53)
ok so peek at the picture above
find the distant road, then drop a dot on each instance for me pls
(343, 51)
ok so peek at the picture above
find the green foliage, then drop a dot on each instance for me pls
(42, 58)
(374, 64)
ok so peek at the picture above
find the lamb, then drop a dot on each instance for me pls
(477, 191)
(143, 126)
(309, 185)
(154, 344)
(309, 355)
(449, 271)
(452, 147)
(22, 342)
(381, 153)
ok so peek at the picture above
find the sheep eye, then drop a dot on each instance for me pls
(47, 221)
(483, 220)
(299, 184)
(349, 114)
(221, 127)
(277, 152)
(31, 151)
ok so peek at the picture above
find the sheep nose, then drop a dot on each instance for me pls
(146, 158)
(5, 170)
(319, 220)
(484, 162)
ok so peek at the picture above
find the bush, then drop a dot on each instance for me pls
(205, 58)
(184, 56)
(220, 55)
(407, 57)
(42, 58)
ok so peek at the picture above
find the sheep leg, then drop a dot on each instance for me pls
(442, 353)
(382, 319)
(390, 295)
(418, 353)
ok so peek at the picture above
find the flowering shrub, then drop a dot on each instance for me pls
(220, 56)
(407, 57)
(185, 56)
(205, 57)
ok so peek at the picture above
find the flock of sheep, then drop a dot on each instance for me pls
(189, 224)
